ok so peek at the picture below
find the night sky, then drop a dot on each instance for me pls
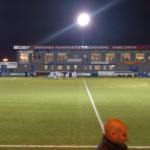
(53, 22)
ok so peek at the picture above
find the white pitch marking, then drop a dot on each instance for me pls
(123, 86)
(139, 147)
(96, 112)
(67, 146)
(51, 146)
(144, 84)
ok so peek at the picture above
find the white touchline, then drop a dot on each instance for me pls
(67, 146)
(51, 146)
(96, 112)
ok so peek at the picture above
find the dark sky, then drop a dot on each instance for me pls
(53, 22)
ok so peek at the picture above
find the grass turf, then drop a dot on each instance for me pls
(41, 111)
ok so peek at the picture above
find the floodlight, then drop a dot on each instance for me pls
(83, 19)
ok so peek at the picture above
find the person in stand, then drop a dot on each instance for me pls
(115, 135)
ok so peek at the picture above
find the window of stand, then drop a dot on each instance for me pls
(111, 67)
(51, 67)
(49, 57)
(95, 56)
(85, 67)
(110, 57)
(90, 67)
(36, 57)
(104, 67)
(75, 67)
(98, 67)
(61, 57)
(45, 67)
(59, 67)
(125, 57)
(24, 57)
(67, 67)
(139, 57)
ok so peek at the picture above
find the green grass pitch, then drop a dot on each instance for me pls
(43, 111)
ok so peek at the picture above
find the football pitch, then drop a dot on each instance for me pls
(43, 113)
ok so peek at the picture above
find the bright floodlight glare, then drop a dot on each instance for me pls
(83, 19)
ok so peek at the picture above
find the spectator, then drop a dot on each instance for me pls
(115, 136)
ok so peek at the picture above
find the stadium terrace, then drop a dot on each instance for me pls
(122, 60)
